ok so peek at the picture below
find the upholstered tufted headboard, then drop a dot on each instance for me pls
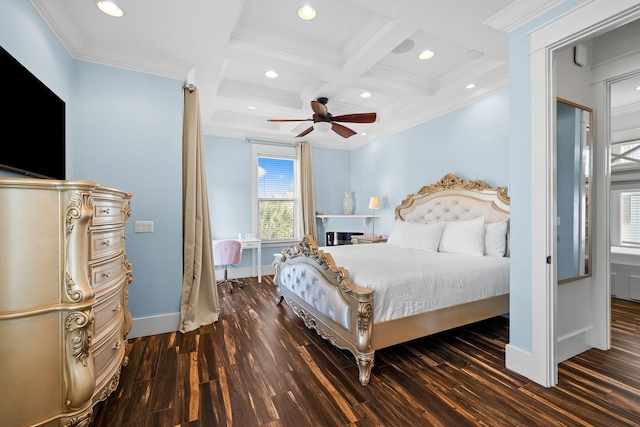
(454, 199)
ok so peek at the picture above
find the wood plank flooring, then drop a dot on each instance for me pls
(259, 366)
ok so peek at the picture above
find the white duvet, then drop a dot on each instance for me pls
(409, 281)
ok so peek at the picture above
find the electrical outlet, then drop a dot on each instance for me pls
(144, 226)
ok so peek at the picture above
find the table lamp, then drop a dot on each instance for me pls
(374, 204)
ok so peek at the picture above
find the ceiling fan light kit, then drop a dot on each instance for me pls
(324, 121)
(322, 126)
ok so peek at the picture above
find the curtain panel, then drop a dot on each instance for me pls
(306, 190)
(199, 305)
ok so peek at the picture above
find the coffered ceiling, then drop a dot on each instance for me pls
(224, 48)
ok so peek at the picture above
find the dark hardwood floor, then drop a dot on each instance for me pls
(259, 366)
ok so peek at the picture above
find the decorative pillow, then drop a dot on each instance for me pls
(463, 237)
(495, 238)
(397, 232)
(423, 237)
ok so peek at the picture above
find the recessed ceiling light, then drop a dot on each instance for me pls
(638, 88)
(251, 107)
(271, 74)
(110, 7)
(363, 134)
(307, 13)
(427, 54)
(470, 86)
(365, 95)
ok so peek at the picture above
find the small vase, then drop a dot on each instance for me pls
(347, 203)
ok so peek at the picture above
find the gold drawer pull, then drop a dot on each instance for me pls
(116, 307)
(106, 211)
(106, 275)
(106, 242)
(116, 345)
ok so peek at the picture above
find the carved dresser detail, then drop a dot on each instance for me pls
(64, 277)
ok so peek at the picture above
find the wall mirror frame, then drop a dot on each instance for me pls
(574, 169)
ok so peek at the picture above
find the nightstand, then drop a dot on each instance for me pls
(367, 239)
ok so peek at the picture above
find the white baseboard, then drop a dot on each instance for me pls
(518, 360)
(153, 325)
(573, 344)
(523, 363)
(170, 322)
(241, 272)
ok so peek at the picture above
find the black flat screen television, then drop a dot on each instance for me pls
(33, 124)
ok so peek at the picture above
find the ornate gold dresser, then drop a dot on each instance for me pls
(64, 275)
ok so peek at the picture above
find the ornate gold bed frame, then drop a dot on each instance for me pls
(341, 312)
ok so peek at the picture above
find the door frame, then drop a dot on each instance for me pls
(588, 21)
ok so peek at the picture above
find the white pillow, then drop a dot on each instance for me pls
(463, 237)
(495, 238)
(423, 237)
(397, 232)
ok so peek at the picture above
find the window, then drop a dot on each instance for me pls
(625, 186)
(630, 218)
(276, 207)
(625, 155)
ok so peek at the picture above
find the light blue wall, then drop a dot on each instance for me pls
(472, 143)
(520, 178)
(331, 178)
(128, 128)
(229, 181)
(124, 129)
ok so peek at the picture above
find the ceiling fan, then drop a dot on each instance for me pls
(323, 120)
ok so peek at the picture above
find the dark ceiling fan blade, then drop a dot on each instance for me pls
(289, 120)
(343, 131)
(319, 108)
(304, 132)
(355, 118)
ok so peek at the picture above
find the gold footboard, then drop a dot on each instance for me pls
(321, 294)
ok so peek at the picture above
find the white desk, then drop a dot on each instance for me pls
(254, 245)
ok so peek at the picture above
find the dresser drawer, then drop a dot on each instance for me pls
(108, 352)
(109, 310)
(107, 212)
(103, 243)
(106, 272)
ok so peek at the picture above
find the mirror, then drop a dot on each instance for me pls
(573, 192)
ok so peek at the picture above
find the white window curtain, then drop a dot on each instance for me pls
(199, 305)
(307, 201)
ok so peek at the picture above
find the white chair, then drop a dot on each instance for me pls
(226, 253)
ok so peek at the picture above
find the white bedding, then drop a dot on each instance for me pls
(409, 281)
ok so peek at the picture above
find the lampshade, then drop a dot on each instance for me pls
(374, 203)
(322, 126)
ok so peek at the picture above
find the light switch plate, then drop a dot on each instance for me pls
(144, 227)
